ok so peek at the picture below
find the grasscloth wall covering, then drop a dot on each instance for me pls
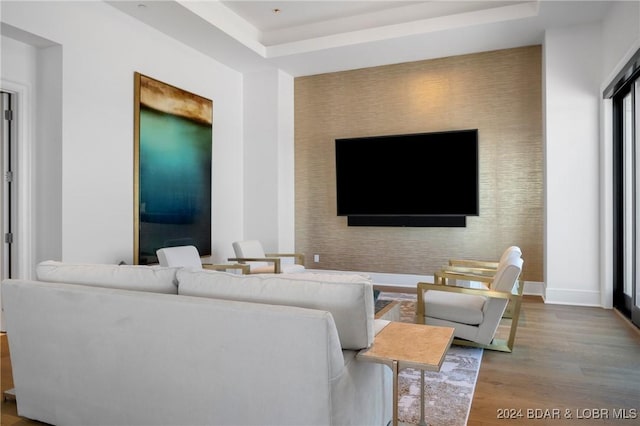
(497, 92)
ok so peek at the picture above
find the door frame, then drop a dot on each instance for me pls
(24, 223)
(628, 305)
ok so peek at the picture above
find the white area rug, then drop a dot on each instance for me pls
(449, 392)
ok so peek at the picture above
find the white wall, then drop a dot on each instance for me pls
(620, 35)
(286, 165)
(579, 62)
(101, 50)
(47, 155)
(260, 187)
(621, 40)
(572, 80)
(269, 206)
(19, 77)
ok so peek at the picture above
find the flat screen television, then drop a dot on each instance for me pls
(410, 176)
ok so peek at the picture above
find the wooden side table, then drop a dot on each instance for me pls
(406, 345)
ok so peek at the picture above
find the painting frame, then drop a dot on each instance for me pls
(173, 145)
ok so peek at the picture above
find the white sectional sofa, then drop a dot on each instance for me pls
(147, 345)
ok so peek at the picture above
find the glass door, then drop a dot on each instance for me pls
(626, 109)
(631, 291)
(628, 201)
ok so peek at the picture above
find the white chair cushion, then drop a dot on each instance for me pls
(184, 256)
(350, 303)
(508, 273)
(250, 248)
(508, 252)
(156, 279)
(253, 248)
(458, 307)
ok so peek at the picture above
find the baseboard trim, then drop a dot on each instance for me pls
(559, 296)
(533, 288)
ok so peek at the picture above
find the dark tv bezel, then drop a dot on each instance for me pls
(375, 218)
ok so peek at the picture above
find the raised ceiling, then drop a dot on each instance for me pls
(311, 37)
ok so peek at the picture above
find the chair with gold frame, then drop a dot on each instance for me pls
(251, 253)
(475, 313)
(189, 257)
(483, 267)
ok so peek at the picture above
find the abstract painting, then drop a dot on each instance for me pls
(172, 169)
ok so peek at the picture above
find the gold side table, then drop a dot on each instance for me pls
(406, 345)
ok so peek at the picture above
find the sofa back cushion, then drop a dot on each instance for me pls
(349, 302)
(156, 279)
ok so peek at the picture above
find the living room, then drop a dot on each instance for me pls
(76, 154)
(254, 175)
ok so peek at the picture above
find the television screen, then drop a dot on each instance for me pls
(423, 174)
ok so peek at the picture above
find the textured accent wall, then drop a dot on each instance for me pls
(497, 92)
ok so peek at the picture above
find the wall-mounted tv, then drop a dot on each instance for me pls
(420, 179)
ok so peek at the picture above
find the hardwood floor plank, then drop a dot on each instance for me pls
(565, 358)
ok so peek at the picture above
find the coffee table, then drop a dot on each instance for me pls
(406, 345)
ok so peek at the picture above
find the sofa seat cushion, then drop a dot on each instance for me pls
(156, 279)
(458, 307)
(350, 303)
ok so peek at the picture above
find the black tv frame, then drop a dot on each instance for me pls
(436, 219)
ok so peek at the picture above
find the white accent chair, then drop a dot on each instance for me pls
(475, 313)
(486, 268)
(250, 252)
(189, 257)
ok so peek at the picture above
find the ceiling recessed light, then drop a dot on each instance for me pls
(276, 10)
(142, 5)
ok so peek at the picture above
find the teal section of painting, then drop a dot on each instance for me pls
(175, 183)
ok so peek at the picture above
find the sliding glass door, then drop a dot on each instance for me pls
(631, 290)
(626, 180)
